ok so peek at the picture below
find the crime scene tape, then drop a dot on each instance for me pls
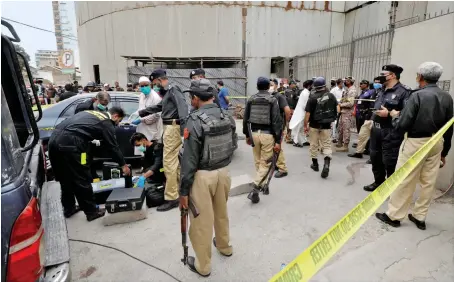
(238, 97)
(311, 260)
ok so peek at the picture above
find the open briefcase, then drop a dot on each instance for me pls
(126, 199)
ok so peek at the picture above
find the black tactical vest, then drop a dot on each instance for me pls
(260, 112)
(217, 142)
(324, 111)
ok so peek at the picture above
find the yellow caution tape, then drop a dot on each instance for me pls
(311, 260)
(238, 97)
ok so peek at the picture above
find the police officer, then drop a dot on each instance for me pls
(428, 109)
(97, 103)
(174, 112)
(285, 114)
(199, 74)
(321, 109)
(68, 147)
(205, 178)
(263, 116)
(292, 95)
(384, 141)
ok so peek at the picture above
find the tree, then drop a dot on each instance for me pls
(21, 50)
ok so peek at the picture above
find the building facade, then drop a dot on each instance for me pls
(65, 27)
(46, 58)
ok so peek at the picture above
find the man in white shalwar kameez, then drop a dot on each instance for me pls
(296, 123)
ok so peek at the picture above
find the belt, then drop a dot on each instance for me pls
(265, 131)
(419, 135)
(170, 121)
(380, 126)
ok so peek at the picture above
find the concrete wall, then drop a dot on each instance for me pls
(409, 51)
(109, 30)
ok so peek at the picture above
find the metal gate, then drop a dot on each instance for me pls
(361, 58)
(234, 79)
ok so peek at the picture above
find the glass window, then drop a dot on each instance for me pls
(129, 106)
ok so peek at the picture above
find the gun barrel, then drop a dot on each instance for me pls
(249, 129)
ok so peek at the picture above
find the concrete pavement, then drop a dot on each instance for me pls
(300, 208)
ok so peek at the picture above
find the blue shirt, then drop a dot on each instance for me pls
(222, 101)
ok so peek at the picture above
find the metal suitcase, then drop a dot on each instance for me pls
(126, 199)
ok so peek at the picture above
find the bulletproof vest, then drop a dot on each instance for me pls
(217, 141)
(324, 111)
(260, 112)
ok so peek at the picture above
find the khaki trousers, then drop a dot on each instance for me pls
(209, 194)
(263, 151)
(172, 145)
(320, 139)
(280, 163)
(363, 136)
(425, 173)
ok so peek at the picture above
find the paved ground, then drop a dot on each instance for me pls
(300, 208)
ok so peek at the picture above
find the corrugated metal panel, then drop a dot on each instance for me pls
(352, 4)
(438, 6)
(369, 19)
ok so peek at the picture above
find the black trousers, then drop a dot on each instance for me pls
(384, 151)
(75, 178)
(359, 122)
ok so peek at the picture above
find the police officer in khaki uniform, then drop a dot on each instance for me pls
(321, 111)
(346, 118)
(174, 110)
(205, 178)
(428, 109)
(263, 117)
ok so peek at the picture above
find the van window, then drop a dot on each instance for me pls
(12, 157)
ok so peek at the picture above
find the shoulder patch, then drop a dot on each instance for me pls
(186, 133)
(406, 87)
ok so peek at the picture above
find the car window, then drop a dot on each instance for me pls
(69, 111)
(129, 106)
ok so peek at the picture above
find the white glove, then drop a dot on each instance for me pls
(96, 142)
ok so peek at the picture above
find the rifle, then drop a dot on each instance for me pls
(249, 130)
(184, 228)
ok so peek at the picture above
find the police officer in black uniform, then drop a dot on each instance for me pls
(205, 178)
(68, 147)
(199, 74)
(384, 140)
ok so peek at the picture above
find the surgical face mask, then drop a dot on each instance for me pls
(145, 90)
(377, 85)
(156, 88)
(102, 107)
(80, 91)
(383, 78)
(142, 148)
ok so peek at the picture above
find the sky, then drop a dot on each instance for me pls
(35, 13)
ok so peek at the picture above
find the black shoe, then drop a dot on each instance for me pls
(371, 187)
(384, 217)
(168, 205)
(71, 212)
(356, 155)
(306, 144)
(334, 141)
(314, 165)
(254, 195)
(214, 244)
(354, 145)
(191, 265)
(420, 224)
(298, 145)
(325, 170)
(366, 152)
(280, 174)
(369, 161)
(95, 215)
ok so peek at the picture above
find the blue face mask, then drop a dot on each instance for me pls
(377, 85)
(102, 107)
(156, 89)
(145, 90)
(142, 148)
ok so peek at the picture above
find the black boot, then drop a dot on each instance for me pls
(356, 155)
(325, 170)
(254, 195)
(71, 212)
(168, 205)
(314, 164)
(371, 187)
(97, 214)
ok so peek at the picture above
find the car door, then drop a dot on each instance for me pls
(124, 131)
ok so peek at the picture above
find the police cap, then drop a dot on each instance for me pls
(364, 81)
(196, 72)
(91, 84)
(351, 78)
(201, 88)
(292, 82)
(263, 81)
(393, 68)
(157, 73)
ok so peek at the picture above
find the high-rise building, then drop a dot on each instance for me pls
(46, 58)
(65, 27)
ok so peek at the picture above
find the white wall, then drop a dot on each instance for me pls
(436, 43)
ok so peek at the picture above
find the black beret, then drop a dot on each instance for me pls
(393, 68)
(157, 73)
(364, 81)
(263, 81)
(196, 72)
(201, 87)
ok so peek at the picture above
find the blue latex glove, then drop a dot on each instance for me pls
(140, 182)
(136, 122)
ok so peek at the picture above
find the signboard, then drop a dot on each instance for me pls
(67, 71)
(66, 59)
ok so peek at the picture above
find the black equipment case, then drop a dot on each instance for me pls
(125, 199)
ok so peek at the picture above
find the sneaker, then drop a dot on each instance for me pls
(168, 205)
(420, 224)
(281, 174)
(385, 218)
